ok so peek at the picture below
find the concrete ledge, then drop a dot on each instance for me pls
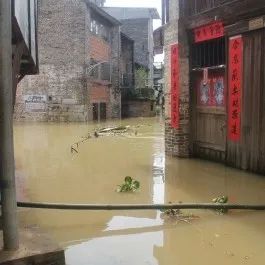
(35, 248)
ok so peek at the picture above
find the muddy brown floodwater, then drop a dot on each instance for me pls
(48, 172)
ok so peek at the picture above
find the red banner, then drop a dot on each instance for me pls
(175, 86)
(235, 87)
(209, 32)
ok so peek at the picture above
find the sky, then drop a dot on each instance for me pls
(140, 3)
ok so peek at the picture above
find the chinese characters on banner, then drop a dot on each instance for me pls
(235, 87)
(209, 32)
(175, 86)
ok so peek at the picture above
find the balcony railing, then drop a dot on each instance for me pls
(158, 70)
(194, 7)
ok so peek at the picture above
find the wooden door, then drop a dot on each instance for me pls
(209, 114)
(208, 92)
(249, 153)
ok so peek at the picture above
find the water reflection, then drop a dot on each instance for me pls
(46, 171)
(117, 250)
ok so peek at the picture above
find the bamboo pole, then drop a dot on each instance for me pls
(109, 207)
(7, 164)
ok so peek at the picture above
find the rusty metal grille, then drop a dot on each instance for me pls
(209, 54)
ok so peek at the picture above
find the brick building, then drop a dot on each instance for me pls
(137, 23)
(214, 78)
(79, 58)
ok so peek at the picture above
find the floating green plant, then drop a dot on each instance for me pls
(129, 185)
(221, 200)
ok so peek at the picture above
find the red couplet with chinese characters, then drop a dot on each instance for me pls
(175, 86)
(209, 32)
(235, 87)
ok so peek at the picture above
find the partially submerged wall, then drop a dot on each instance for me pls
(57, 93)
(177, 140)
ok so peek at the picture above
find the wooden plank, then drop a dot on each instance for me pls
(249, 153)
(262, 127)
(216, 111)
(245, 26)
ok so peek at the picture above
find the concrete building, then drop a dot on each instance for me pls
(214, 79)
(79, 58)
(127, 71)
(137, 23)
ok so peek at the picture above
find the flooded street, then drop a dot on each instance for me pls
(48, 172)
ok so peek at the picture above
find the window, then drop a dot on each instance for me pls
(99, 111)
(105, 72)
(100, 71)
(100, 30)
(209, 53)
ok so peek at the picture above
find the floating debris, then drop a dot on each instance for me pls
(75, 146)
(129, 185)
(112, 131)
(221, 200)
(178, 215)
(109, 131)
(73, 150)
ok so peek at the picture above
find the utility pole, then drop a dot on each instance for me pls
(7, 163)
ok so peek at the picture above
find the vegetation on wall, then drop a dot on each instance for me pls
(141, 78)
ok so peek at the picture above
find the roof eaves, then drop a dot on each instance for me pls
(127, 37)
(154, 13)
(104, 14)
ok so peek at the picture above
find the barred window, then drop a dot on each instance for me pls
(209, 53)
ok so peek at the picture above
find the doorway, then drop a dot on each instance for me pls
(209, 99)
(99, 111)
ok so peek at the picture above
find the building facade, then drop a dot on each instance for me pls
(214, 78)
(137, 23)
(79, 57)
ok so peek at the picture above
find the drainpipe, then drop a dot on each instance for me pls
(7, 163)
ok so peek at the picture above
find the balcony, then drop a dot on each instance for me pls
(158, 70)
(99, 72)
(127, 80)
(195, 7)
(138, 94)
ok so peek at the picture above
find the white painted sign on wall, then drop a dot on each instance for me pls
(35, 102)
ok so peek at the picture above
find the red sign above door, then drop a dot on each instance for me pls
(208, 32)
